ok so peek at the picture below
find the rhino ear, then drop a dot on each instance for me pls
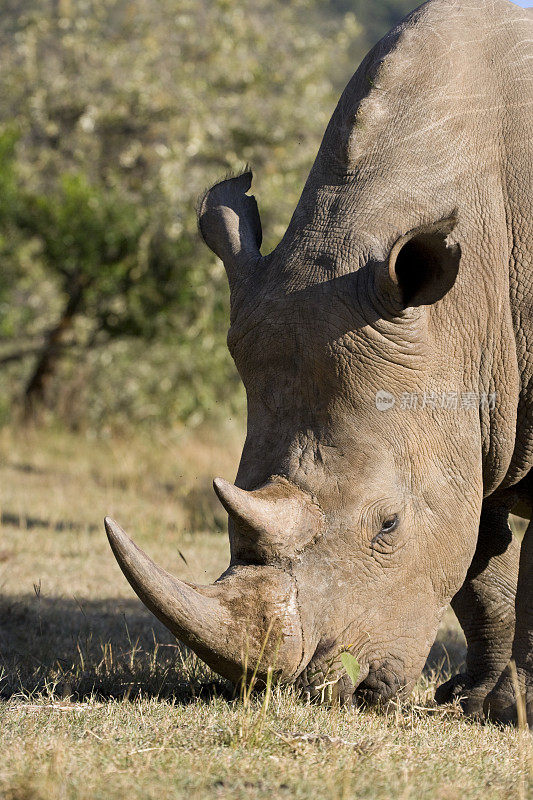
(229, 222)
(423, 264)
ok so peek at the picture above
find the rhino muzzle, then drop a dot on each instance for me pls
(249, 618)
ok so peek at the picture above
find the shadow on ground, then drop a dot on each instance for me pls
(447, 656)
(29, 522)
(114, 648)
(111, 648)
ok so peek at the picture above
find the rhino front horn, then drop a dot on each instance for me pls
(224, 623)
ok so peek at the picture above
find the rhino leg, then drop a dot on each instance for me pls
(500, 704)
(485, 608)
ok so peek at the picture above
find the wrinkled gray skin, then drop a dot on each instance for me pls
(407, 268)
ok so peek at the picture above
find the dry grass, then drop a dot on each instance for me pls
(98, 701)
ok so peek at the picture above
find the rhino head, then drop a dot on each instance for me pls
(348, 523)
(353, 518)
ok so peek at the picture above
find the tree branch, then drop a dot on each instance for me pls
(19, 355)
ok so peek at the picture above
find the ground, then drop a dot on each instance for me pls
(97, 700)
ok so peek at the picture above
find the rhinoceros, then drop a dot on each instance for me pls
(386, 348)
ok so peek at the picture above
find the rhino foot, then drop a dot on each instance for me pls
(470, 693)
(500, 704)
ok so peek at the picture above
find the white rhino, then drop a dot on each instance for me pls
(386, 346)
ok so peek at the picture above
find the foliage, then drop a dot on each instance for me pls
(8, 226)
(96, 240)
(375, 18)
(351, 665)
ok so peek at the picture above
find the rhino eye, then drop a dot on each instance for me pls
(386, 542)
(390, 524)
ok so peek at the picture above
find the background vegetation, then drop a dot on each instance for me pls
(114, 116)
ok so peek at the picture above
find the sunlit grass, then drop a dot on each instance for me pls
(98, 699)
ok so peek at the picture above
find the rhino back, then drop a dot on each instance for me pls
(517, 170)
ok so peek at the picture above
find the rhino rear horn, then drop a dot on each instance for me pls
(277, 515)
(230, 225)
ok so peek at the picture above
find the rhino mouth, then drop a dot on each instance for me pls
(380, 685)
(324, 678)
(324, 681)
